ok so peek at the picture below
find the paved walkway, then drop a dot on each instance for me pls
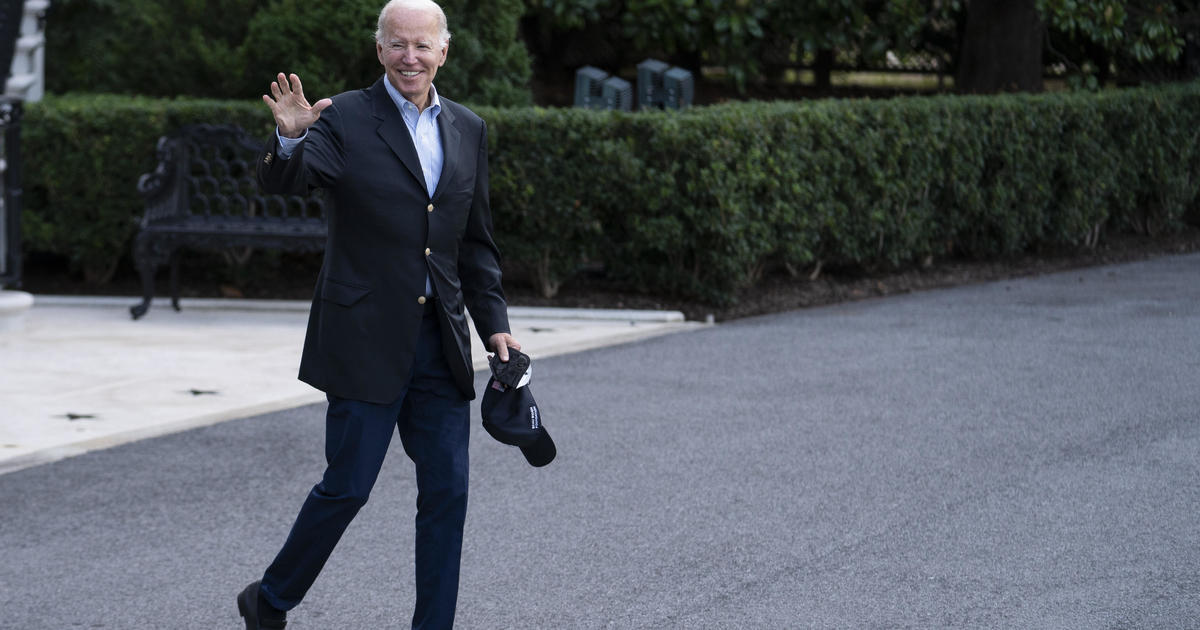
(82, 375)
(1019, 454)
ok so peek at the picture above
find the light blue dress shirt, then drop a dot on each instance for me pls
(422, 127)
(426, 136)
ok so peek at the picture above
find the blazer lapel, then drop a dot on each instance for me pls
(450, 143)
(394, 132)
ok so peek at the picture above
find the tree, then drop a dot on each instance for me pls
(233, 48)
(1003, 42)
(330, 46)
(1133, 39)
(488, 62)
(992, 45)
(150, 47)
(750, 40)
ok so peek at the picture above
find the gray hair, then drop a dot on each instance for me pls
(426, 5)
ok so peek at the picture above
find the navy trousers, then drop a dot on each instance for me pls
(433, 420)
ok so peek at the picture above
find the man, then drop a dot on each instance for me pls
(410, 245)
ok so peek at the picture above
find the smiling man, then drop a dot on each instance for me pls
(410, 248)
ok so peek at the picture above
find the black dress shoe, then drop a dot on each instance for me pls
(258, 614)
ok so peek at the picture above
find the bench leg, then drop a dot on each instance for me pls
(144, 260)
(147, 274)
(175, 281)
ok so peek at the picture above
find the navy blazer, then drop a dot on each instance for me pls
(386, 234)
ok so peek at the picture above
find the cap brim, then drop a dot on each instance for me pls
(541, 452)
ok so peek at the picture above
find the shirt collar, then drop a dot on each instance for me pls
(407, 107)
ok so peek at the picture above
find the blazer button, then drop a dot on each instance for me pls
(429, 208)
(427, 252)
(421, 300)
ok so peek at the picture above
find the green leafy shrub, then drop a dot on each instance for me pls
(234, 48)
(487, 63)
(547, 195)
(149, 47)
(329, 45)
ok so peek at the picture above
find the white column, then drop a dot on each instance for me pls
(27, 74)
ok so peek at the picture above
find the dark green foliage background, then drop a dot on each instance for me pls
(701, 203)
(232, 49)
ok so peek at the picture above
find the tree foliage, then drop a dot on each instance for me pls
(233, 48)
(749, 39)
(754, 40)
(1131, 38)
(331, 46)
(151, 47)
(1141, 29)
(488, 63)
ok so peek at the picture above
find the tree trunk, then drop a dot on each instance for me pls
(1002, 48)
(823, 70)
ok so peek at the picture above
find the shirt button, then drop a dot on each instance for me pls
(421, 300)
(429, 208)
(427, 252)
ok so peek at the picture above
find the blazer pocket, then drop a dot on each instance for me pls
(343, 293)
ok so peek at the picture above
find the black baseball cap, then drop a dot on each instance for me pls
(512, 417)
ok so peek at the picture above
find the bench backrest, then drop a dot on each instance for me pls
(207, 172)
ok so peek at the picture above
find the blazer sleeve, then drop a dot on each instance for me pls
(479, 258)
(317, 162)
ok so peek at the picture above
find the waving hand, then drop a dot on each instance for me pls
(292, 112)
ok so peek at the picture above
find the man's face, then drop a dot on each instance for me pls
(411, 52)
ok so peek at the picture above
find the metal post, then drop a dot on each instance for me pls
(13, 304)
(11, 14)
(10, 196)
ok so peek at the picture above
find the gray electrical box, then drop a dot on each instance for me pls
(617, 93)
(588, 91)
(679, 88)
(650, 83)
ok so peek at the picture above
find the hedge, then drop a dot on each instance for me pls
(700, 203)
(82, 159)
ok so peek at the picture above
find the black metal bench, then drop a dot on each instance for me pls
(204, 195)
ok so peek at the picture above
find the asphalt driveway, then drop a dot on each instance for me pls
(1021, 454)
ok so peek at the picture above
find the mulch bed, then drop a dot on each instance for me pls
(776, 292)
(781, 292)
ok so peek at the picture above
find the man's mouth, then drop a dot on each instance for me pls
(409, 73)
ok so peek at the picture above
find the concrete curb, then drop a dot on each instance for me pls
(71, 449)
(300, 306)
(203, 304)
(594, 314)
